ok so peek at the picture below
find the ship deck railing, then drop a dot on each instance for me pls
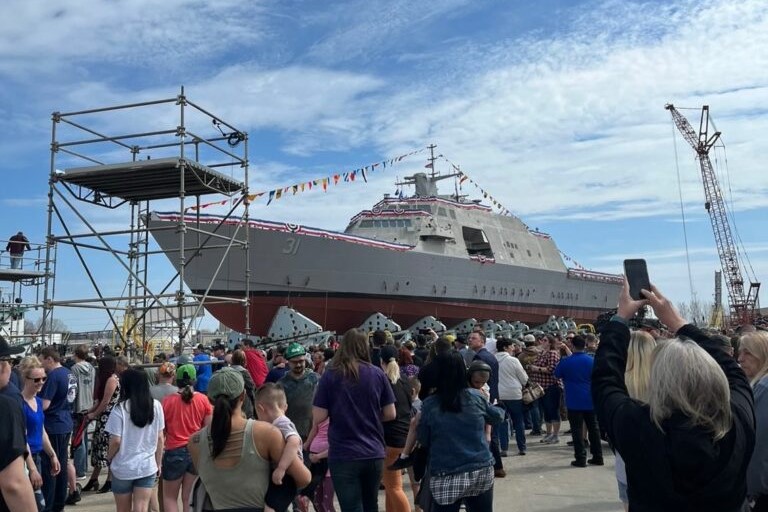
(591, 275)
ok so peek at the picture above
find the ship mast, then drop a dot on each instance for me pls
(432, 159)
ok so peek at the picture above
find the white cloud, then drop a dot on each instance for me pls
(51, 36)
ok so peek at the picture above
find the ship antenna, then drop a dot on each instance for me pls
(432, 159)
(456, 183)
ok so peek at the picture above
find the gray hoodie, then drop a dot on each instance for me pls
(85, 374)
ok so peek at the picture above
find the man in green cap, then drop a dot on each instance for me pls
(300, 384)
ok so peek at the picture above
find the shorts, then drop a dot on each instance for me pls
(176, 463)
(623, 496)
(127, 486)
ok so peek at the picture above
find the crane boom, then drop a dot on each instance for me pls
(742, 306)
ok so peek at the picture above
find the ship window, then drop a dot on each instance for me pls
(366, 223)
(452, 214)
(512, 255)
(529, 252)
(476, 242)
(441, 212)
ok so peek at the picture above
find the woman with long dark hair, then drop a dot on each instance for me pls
(136, 442)
(452, 427)
(186, 412)
(233, 454)
(357, 397)
(105, 395)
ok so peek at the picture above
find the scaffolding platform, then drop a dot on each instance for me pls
(18, 274)
(145, 180)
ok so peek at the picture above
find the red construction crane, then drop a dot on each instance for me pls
(742, 305)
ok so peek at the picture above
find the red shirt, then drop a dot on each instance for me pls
(256, 366)
(184, 419)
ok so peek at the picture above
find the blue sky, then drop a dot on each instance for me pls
(554, 107)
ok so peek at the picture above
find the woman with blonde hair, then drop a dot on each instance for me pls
(753, 358)
(33, 373)
(688, 448)
(357, 397)
(637, 376)
(395, 431)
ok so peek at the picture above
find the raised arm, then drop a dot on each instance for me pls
(609, 392)
(741, 391)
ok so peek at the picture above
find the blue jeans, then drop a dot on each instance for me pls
(39, 498)
(55, 488)
(515, 410)
(533, 410)
(356, 483)
(15, 261)
(504, 432)
(80, 455)
(480, 503)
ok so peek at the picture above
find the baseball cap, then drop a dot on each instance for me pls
(7, 350)
(529, 338)
(186, 371)
(226, 382)
(183, 359)
(168, 369)
(295, 350)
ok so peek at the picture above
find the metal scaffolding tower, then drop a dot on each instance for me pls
(121, 162)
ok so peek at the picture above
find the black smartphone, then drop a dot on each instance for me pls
(636, 272)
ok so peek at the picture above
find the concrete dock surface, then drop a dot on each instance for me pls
(541, 481)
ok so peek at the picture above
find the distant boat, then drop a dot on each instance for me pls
(428, 254)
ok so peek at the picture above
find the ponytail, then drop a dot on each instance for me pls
(221, 423)
(187, 392)
(392, 370)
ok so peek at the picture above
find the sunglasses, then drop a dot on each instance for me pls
(37, 380)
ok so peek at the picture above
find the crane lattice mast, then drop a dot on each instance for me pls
(742, 305)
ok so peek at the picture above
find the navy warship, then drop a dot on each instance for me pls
(407, 258)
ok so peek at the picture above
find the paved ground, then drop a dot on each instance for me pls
(542, 481)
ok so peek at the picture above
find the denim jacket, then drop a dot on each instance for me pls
(456, 441)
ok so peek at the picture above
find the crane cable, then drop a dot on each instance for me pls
(682, 211)
(732, 213)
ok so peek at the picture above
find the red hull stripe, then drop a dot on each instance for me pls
(342, 313)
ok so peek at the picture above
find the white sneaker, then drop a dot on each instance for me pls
(545, 439)
(554, 439)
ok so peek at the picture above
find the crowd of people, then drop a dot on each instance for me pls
(239, 429)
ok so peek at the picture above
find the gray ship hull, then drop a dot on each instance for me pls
(339, 280)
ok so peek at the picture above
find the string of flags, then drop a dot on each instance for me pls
(463, 177)
(571, 260)
(324, 182)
